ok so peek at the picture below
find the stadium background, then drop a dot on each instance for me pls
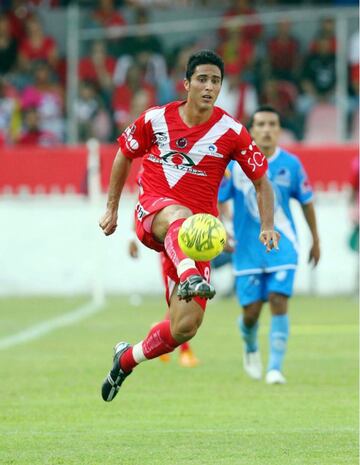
(60, 112)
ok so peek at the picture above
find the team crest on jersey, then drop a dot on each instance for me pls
(181, 143)
(283, 177)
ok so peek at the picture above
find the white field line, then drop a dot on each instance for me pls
(40, 329)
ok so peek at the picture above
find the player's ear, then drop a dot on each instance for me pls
(186, 85)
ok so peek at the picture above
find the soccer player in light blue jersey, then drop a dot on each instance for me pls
(261, 276)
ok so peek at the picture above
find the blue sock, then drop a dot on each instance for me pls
(279, 334)
(249, 335)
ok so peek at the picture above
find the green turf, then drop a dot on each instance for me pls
(51, 412)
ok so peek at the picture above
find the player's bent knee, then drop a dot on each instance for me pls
(185, 329)
(183, 332)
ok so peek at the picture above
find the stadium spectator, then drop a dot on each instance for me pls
(17, 15)
(283, 53)
(261, 276)
(182, 170)
(99, 68)
(318, 77)
(238, 52)
(37, 46)
(282, 95)
(47, 97)
(8, 47)
(128, 97)
(33, 134)
(92, 118)
(144, 48)
(326, 31)
(251, 32)
(172, 86)
(237, 97)
(10, 116)
(106, 15)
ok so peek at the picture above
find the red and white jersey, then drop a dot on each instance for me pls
(187, 163)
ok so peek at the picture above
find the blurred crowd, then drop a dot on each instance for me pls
(121, 76)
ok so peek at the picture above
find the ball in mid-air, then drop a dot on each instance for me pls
(202, 237)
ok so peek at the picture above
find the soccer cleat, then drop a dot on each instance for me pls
(187, 359)
(275, 377)
(252, 364)
(116, 376)
(165, 358)
(195, 286)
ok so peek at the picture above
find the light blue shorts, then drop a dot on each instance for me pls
(257, 287)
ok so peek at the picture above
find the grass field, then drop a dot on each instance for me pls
(51, 412)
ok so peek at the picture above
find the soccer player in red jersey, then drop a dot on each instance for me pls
(185, 147)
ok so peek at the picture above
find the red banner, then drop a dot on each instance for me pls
(64, 169)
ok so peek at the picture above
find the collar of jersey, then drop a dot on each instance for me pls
(274, 157)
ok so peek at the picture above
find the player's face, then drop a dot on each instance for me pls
(204, 86)
(266, 129)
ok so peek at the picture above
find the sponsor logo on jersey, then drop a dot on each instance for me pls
(211, 151)
(160, 139)
(178, 160)
(256, 160)
(140, 211)
(131, 143)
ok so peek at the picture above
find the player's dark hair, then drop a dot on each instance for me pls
(203, 57)
(266, 108)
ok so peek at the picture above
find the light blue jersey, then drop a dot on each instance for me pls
(289, 180)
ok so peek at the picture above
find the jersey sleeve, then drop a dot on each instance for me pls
(252, 161)
(226, 189)
(136, 140)
(302, 190)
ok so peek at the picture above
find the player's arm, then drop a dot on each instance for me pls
(265, 200)
(310, 217)
(254, 165)
(119, 173)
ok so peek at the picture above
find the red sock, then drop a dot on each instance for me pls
(174, 251)
(159, 341)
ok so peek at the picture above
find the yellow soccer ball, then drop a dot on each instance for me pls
(202, 237)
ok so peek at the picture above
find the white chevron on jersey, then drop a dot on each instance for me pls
(198, 151)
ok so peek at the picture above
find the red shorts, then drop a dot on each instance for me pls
(144, 215)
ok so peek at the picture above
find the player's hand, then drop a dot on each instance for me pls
(314, 254)
(133, 249)
(270, 238)
(108, 222)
